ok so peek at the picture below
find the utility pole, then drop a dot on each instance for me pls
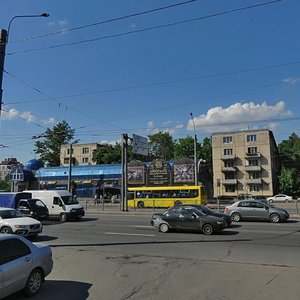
(3, 40)
(195, 151)
(70, 168)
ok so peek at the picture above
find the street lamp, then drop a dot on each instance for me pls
(4, 35)
(195, 151)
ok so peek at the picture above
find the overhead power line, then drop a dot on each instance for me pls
(106, 21)
(148, 28)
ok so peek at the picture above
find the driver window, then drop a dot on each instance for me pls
(56, 200)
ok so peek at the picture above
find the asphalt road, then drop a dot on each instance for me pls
(119, 256)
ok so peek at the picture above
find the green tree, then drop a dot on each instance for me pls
(161, 146)
(4, 186)
(107, 154)
(49, 149)
(289, 157)
(286, 181)
(184, 148)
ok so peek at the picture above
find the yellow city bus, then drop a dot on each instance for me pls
(165, 196)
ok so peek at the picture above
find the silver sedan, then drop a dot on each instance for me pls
(23, 265)
(255, 210)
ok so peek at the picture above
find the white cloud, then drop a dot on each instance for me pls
(106, 142)
(62, 24)
(150, 125)
(238, 116)
(13, 114)
(49, 121)
(291, 80)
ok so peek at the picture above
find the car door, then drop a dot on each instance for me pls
(16, 263)
(23, 207)
(188, 220)
(244, 209)
(258, 211)
(172, 217)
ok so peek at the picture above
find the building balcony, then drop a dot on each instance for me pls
(225, 157)
(228, 169)
(253, 168)
(254, 181)
(252, 155)
(229, 181)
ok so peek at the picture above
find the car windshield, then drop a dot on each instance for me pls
(69, 200)
(10, 214)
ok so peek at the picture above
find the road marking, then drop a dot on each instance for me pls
(142, 226)
(120, 233)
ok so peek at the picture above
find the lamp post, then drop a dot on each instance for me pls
(195, 151)
(4, 35)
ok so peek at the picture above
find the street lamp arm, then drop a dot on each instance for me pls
(24, 16)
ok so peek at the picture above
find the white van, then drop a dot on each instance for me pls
(60, 203)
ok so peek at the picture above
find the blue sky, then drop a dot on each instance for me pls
(236, 70)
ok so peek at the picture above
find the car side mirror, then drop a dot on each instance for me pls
(194, 215)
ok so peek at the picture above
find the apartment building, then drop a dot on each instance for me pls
(245, 162)
(81, 154)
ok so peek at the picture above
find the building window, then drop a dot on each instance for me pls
(85, 160)
(227, 140)
(66, 160)
(68, 151)
(229, 175)
(229, 164)
(253, 162)
(254, 175)
(254, 188)
(85, 150)
(252, 150)
(230, 188)
(251, 138)
(228, 152)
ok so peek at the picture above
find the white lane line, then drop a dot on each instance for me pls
(142, 226)
(120, 233)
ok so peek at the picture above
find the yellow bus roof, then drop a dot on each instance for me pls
(167, 188)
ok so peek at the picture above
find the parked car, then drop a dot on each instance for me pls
(280, 198)
(23, 265)
(187, 218)
(207, 211)
(255, 210)
(13, 221)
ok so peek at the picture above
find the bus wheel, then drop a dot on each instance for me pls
(177, 202)
(140, 204)
(163, 227)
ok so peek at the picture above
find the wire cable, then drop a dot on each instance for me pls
(147, 29)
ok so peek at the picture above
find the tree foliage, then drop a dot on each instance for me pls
(49, 149)
(289, 154)
(184, 148)
(4, 186)
(161, 146)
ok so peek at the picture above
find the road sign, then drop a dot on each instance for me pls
(140, 145)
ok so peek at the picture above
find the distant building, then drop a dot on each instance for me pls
(245, 162)
(8, 165)
(81, 154)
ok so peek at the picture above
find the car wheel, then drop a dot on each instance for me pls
(286, 200)
(140, 204)
(34, 282)
(62, 217)
(236, 217)
(177, 202)
(274, 218)
(207, 229)
(270, 201)
(164, 227)
(6, 230)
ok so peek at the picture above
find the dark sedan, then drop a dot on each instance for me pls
(187, 218)
(207, 211)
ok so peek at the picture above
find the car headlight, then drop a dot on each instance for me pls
(220, 222)
(21, 226)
